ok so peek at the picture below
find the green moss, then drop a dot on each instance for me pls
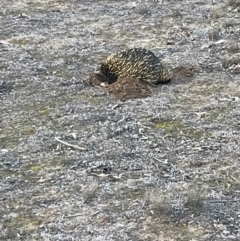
(7, 132)
(62, 74)
(41, 108)
(183, 233)
(44, 112)
(67, 162)
(36, 168)
(179, 232)
(93, 100)
(9, 173)
(27, 224)
(18, 41)
(176, 128)
(10, 135)
(167, 126)
(28, 131)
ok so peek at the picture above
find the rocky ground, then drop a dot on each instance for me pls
(76, 163)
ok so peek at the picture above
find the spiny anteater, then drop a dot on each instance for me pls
(136, 62)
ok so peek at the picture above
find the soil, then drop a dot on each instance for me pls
(130, 88)
(96, 79)
(124, 88)
(82, 160)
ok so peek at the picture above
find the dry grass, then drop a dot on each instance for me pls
(173, 179)
(91, 191)
(214, 34)
(217, 12)
(233, 3)
(195, 198)
(159, 202)
(233, 47)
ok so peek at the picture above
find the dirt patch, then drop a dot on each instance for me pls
(124, 88)
(130, 88)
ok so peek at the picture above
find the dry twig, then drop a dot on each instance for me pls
(68, 144)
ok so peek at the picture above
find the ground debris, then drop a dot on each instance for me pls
(165, 167)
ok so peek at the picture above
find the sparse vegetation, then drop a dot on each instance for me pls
(195, 197)
(233, 47)
(165, 167)
(229, 23)
(217, 12)
(159, 202)
(213, 34)
(90, 191)
(142, 10)
(233, 3)
(18, 41)
(228, 61)
(176, 128)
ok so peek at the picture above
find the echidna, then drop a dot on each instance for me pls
(135, 63)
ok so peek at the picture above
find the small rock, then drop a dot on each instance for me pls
(204, 46)
(103, 84)
(221, 41)
(4, 151)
